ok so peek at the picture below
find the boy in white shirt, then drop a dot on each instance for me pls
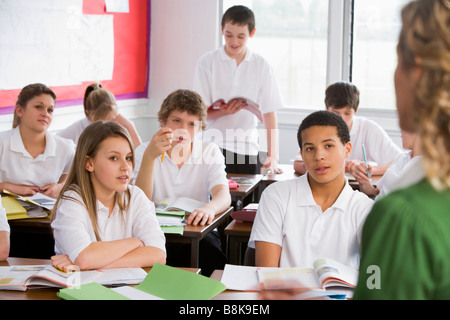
(234, 71)
(4, 233)
(174, 164)
(342, 98)
(317, 215)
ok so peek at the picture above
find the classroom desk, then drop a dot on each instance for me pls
(288, 174)
(245, 189)
(32, 238)
(41, 294)
(238, 234)
(193, 234)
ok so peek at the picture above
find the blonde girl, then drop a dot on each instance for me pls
(99, 220)
(34, 160)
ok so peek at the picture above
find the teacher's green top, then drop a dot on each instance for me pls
(406, 246)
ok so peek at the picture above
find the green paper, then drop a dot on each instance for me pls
(173, 229)
(176, 284)
(90, 291)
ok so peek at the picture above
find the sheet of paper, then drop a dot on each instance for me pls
(241, 278)
(176, 284)
(122, 6)
(135, 294)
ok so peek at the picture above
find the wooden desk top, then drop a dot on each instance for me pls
(288, 174)
(191, 231)
(245, 188)
(41, 294)
(239, 229)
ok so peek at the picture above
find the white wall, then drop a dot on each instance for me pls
(181, 31)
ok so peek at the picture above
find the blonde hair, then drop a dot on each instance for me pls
(100, 103)
(425, 41)
(79, 179)
(93, 86)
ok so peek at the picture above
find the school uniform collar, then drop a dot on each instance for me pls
(306, 199)
(225, 57)
(104, 211)
(16, 145)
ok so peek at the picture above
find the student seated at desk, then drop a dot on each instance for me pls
(317, 215)
(99, 104)
(175, 164)
(4, 233)
(33, 159)
(405, 170)
(342, 98)
(99, 220)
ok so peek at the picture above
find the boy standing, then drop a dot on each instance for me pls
(235, 71)
(317, 215)
(342, 98)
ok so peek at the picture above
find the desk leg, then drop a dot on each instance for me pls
(235, 251)
(195, 249)
(239, 204)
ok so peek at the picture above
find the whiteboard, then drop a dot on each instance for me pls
(53, 42)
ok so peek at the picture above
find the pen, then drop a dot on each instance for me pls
(162, 157)
(365, 159)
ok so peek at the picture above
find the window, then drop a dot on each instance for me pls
(376, 26)
(292, 36)
(295, 36)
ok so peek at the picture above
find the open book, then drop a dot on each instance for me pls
(181, 204)
(326, 275)
(26, 277)
(22, 207)
(251, 106)
(162, 283)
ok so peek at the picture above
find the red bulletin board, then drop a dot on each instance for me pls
(131, 58)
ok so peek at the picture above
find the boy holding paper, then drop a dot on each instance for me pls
(317, 215)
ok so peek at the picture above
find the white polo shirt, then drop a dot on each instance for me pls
(289, 217)
(217, 76)
(19, 167)
(403, 172)
(4, 226)
(74, 131)
(196, 178)
(73, 231)
(380, 148)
